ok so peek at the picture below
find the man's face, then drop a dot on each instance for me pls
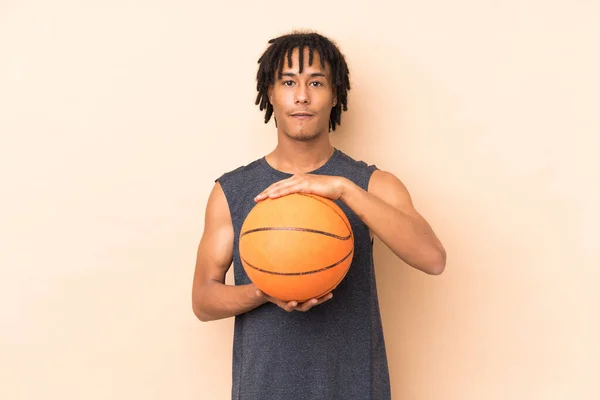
(302, 103)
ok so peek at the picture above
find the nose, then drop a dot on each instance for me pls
(301, 95)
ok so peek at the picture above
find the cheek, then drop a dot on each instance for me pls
(282, 98)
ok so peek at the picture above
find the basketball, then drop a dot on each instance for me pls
(296, 247)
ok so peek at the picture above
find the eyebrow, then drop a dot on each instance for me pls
(314, 74)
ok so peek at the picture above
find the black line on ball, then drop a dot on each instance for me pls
(288, 228)
(298, 273)
(328, 205)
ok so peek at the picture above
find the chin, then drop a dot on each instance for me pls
(303, 136)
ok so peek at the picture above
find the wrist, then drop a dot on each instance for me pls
(347, 187)
(247, 297)
(255, 297)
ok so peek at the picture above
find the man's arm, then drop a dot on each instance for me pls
(212, 299)
(387, 209)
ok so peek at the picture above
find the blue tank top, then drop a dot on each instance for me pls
(334, 351)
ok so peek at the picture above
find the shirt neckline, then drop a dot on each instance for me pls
(273, 170)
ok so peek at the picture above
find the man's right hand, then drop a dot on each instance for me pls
(290, 306)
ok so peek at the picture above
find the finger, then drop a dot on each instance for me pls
(274, 187)
(328, 296)
(262, 195)
(281, 184)
(284, 191)
(273, 193)
(307, 305)
(313, 302)
(296, 186)
(287, 306)
(325, 298)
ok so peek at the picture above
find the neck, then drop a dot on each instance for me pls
(298, 157)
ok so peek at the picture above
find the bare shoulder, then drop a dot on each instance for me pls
(390, 189)
(217, 239)
(217, 208)
(215, 250)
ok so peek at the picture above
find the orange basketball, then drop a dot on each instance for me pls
(296, 247)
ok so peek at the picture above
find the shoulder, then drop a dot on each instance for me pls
(378, 179)
(238, 174)
(239, 183)
(351, 162)
(390, 189)
(358, 171)
(378, 182)
(382, 180)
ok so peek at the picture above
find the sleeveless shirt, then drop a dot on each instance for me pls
(334, 351)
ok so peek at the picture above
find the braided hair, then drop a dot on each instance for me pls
(273, 58)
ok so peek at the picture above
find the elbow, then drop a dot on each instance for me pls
(436, 269)
(200, 314)
(198, 308)
(437, 265)
(433, 262)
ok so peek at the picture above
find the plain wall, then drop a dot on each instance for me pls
(117, 116)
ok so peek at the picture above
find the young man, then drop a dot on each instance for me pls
(327, 348)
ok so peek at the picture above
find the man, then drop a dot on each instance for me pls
(331, 347)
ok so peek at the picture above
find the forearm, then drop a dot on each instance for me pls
(409, 237)
(215, 300)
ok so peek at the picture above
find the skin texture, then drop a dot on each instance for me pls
(303, 145)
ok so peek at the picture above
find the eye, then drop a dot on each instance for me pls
(287, 83)
(317, 83)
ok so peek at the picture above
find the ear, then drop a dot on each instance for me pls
(270, 93)
(334, 101)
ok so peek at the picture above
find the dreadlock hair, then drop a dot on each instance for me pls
(273, 58)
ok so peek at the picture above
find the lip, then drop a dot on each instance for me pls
(302, 116)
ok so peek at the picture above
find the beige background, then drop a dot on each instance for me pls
(116, 117)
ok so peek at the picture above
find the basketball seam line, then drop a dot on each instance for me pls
(287, 228)
(328, 205)
(298, 273)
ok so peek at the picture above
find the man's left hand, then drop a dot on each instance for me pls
(323, 185)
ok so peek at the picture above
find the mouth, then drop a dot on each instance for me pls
(302, 116)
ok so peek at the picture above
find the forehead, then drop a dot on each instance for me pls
(306, 68)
